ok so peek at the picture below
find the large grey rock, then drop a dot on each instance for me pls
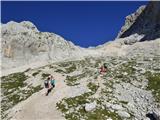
(117, 107)
(90, 106)
(123, 114)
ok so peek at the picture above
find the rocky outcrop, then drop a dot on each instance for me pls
(123, 114)
(154, 115)
(146, 22)
(22, 44)
(130, 19)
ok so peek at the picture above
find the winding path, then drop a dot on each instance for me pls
(41, 107)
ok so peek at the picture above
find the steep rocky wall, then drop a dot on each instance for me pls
(22, 44)
(130, 19)
(147, 23)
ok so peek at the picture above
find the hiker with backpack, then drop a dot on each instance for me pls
(46, 83)
(49, 84)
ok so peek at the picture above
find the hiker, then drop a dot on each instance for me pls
(52, 81)
(103, 69)
(48, 85)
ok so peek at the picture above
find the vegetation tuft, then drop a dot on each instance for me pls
(154, 84)
(13, 92)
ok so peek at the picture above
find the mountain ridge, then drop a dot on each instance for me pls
(23, 43)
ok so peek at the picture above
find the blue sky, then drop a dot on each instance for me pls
(84, 23)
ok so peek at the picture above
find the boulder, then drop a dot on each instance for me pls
(90, 106)
(117, 107)
(125, 73)
(108, 105)
(123, 114)
(109, 119)
(156, 115)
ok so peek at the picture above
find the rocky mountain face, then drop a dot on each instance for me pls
(144, 22)
(23, 44)
(129, 90)
(130, 19)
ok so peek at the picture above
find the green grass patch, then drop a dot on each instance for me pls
(45, 75)
(128, 67)
(64, 64)
(72, 102)
(68, 103)
(60, 71)
(71, 80)
(102, 114)
(12, 92)
(36, 73)
(13, 81)
(78, 112)
(70, 69)
(154, 84)
(93, 87)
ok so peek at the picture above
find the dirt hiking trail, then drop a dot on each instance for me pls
(41, 107)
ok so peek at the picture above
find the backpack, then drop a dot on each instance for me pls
(46, 83)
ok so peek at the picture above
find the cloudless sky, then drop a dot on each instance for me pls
(84, 23)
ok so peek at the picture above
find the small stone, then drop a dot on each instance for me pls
(123, 114)
(103, 107)
(142, 96)
(130, 105)
(109, 119)
(125, 73)
(142, 71)
(137, 99)
(108, 105)
(117, 107)
(150, 59)
(90, 106)
(67, 112)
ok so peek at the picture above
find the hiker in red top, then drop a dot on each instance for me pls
(103, 69)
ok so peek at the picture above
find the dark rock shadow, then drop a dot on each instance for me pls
(151, 116)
